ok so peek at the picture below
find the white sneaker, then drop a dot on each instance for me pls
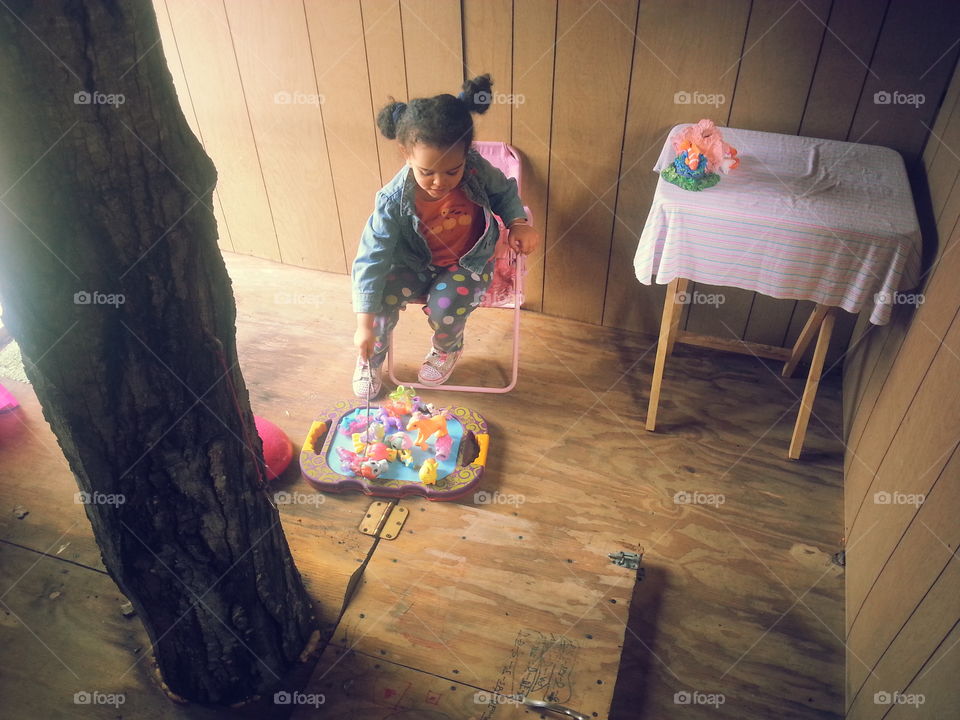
(437, 366)
(367, 381)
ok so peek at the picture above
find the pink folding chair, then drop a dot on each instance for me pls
(506, 286)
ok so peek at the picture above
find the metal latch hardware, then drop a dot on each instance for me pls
(629, 560)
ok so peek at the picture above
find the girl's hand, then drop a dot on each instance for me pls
(363, 338)
(523, 238)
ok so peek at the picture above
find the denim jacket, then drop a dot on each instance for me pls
(392, 234)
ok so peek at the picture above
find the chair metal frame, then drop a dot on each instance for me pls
(517, 260)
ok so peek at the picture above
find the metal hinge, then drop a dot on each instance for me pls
(383, 520)
(629, 560)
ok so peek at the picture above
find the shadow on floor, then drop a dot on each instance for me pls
(638, 658)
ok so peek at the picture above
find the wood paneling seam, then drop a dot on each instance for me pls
(253, 134)
(906, 412)
(620, 173)
(866, 75)
(186, 80)
(876, 578)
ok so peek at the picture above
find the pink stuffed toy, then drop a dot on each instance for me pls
(706, 139)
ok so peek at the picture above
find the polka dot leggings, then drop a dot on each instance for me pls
(452, 294)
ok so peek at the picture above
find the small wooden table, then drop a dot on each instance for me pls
(821, 319)
(803, 219)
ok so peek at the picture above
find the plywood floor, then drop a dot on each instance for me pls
(739, 612)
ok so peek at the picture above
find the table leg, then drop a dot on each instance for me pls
(813, 381)
(677, 315)
(803, 342)
(668, 331)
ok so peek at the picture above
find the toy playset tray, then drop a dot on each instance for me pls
(397, 449)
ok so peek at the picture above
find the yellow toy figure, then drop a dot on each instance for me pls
(399, 445)
(359, 445)
(373, 434)
(428, 472)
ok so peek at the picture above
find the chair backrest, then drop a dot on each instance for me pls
(506, 287)
(501, 156)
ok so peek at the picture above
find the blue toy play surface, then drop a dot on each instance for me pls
(397, 470)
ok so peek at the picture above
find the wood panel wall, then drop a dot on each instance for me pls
(902, 406)
(586, 91)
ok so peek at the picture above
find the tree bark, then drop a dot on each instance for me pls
(113, 285)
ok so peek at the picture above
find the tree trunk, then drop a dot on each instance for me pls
(113, 285)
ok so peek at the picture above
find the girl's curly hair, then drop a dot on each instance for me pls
(441, 121)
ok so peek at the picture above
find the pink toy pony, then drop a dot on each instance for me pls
(357, 425)
(349, 460)
(706, 139)
(370, 466)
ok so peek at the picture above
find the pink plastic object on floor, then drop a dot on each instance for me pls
(506, 287)
(7, 401)
(277, 448)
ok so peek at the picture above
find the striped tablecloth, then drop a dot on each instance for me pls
(801, 218)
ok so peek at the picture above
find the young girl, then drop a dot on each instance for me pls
(432, 233)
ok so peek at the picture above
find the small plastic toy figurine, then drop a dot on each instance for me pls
(399, 445)
(372, 469)
(360, 465)
(349, 460)
(357, 425)
(373, 434)
(401, 402)
(428, 472)
(389, 421)
(428, 409)
(442, 447)
(426, 427)
(378, 451)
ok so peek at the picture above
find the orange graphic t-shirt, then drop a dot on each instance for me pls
(451, 226)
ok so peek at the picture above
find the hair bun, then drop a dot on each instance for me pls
(389, 117)
(477, 94)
